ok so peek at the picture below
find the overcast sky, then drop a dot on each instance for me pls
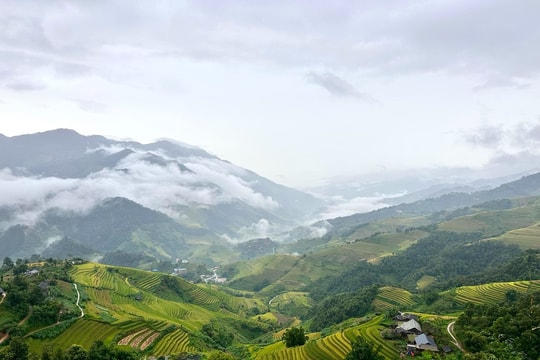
(298, 91)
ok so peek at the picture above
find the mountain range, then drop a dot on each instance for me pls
(64, 194)
(122, 195)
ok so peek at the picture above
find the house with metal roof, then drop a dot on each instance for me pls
(425, 342)
(409, 327)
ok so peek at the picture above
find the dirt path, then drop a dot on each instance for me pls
(20, 323)
(78, 300)
(450, 329)
(61, 322)
(30, 311)
(3, 297)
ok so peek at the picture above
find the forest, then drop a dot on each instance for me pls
(509, 330)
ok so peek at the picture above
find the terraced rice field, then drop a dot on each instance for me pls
(335, 346)
(148, 282)
(101, 287)
(371, 332)
(390, 297)
(173, 343)
(141, 334)
(493, 292)
(98, 276)
(525, 238)
(204, 297)
(85, 332)
(492, 223)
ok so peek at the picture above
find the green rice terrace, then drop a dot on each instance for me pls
(333, 295)
(155, 314)
(491, 293)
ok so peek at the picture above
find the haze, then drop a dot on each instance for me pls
(298, 92)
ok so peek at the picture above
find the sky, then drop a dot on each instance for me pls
(298, 91)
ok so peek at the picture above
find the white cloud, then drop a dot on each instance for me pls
(231, 77)
(163, 188)
(260, 229)
(361, 204)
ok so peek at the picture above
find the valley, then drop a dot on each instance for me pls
(157, 314)
(154, 280)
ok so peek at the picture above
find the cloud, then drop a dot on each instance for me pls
(337, 86)
(227, 177)
(345, 207)
(498, 81)
(384, 38)
(490, 136)
(163, 188)
(91, 106)
(517, 137)
(260, 229)
(512, 148)
(25, 85)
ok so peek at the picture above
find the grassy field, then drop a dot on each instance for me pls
(425, 281)
(493, 223)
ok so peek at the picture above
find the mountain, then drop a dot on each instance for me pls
(343, 226)
(106, 194)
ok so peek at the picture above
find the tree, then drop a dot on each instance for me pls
(362, 350)
(18, 350)
(8, 263)
(76, 352)
(294, 337)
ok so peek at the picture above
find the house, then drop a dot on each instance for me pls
(405, 317)
(409, 327)
(425, 342)
(2, 292)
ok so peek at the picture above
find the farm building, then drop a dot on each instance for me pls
(405, 317)
(425, 342)
(409, 327)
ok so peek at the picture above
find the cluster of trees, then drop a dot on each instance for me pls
(361, 349)
(24, 291)
(172, 284)
(510, 330)
(219, 334)
(294, 336)
(444, 255)
(340, 307)
(18, 350)
(526, 266)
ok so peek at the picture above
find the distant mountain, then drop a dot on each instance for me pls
(105, 193)
(116, 224)
(526, 186)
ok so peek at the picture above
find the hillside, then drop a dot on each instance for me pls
(524, 187)
(155, 313)
(60, 184)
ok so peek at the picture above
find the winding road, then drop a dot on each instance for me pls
(60, 322)
(78, 300)
(450, 329)
(77, 303)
